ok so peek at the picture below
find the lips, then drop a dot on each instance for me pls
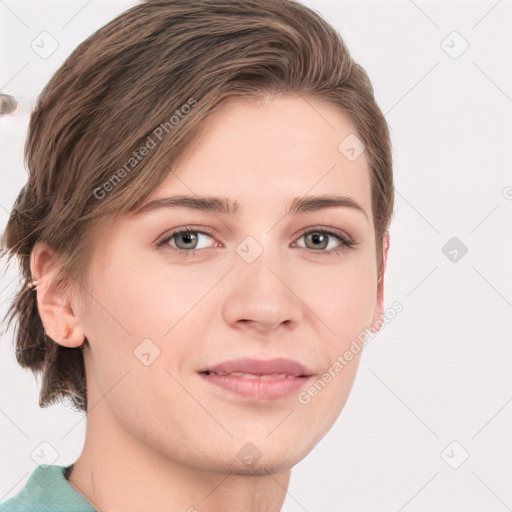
(258, 380)
(277, 368)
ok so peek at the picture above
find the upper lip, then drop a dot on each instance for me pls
(261, 367)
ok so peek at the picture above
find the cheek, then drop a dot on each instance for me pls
(343, 297)
(139, 315)
(344, 300)
(141, 300)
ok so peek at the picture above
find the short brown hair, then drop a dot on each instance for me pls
(126, 80)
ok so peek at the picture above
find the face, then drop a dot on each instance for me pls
(257, 283)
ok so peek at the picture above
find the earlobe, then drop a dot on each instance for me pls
(55, 308)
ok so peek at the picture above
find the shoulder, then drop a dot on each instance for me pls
(47, 490)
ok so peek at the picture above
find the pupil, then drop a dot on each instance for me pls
(317, 236)
(188, 237)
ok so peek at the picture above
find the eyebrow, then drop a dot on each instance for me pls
(223, 205)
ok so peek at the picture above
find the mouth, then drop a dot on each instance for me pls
(261, 376)
(257, 379)
(258, 367)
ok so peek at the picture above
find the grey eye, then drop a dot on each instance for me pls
(318, 237)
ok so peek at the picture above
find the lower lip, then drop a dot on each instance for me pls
(257, 389)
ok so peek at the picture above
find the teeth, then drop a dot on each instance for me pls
(252, 376)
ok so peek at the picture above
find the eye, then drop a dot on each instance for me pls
(186, 241)
(320, 239)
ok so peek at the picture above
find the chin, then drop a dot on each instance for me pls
(261, 469)
(248, 460)
(271, 465)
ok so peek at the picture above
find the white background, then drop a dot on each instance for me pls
(441, 370)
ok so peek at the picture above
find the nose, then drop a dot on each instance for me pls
(263, 295)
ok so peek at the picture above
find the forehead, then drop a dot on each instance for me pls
(263, 153)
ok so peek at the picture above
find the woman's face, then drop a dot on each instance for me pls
(250, 284)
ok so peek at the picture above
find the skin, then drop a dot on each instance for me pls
(159, 437)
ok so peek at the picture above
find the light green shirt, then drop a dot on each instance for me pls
(47, 490)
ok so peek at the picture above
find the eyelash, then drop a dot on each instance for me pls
(345, 242)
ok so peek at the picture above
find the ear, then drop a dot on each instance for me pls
(56, 310)
(379, 307)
